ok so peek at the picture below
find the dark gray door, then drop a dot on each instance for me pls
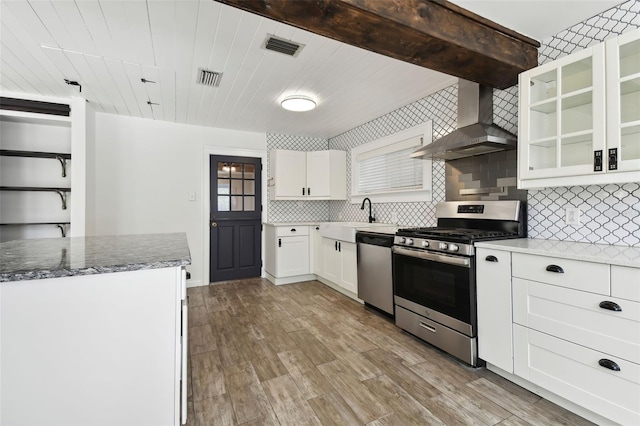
(235, 218)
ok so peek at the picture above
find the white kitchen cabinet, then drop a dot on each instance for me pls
(315, 175)
(493, 287)
(95, 349)
(579, 117)
(287, 254)
(340, 264)
(574, 324)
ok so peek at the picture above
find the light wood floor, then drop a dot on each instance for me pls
(305, 354)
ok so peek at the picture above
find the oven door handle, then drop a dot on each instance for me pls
(441, 258)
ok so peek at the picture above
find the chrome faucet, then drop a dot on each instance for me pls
(371, 218)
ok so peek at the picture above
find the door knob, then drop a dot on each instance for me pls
(214, 224)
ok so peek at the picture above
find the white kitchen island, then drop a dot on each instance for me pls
(93, 330)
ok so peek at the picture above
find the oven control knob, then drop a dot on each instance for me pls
(443, 246)
(409, 241)
(453, 247)
(425, 244)
(403, 240)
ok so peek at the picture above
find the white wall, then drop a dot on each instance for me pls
(144, 170)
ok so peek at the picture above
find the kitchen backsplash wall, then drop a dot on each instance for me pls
(294, 211)
(610, 213)
(441, 109)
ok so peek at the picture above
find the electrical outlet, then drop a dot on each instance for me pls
(394, 217)
(572, 216)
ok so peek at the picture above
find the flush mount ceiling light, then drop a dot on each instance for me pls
(298, 103)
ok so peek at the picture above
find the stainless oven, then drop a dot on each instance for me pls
(435, 297)
(434, 272)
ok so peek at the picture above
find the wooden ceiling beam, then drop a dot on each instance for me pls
(434, 34)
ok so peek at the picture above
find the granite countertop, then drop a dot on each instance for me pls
(597, 253)
(64, 257)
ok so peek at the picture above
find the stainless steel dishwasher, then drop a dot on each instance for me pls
(375, 278)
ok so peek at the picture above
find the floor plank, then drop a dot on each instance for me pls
(290, 406)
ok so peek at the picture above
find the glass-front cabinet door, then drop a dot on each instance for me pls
(623, 103)
(562, 116)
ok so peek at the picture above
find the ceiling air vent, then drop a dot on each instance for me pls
(280, 45)
(209, 78)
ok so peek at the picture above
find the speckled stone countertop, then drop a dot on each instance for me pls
(64, 257)
(597, 253)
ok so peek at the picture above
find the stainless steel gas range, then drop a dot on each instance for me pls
(434, 271)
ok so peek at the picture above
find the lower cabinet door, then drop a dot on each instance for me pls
(331, 260)
(292, 256)
(348, 266)
(493, 288)
(586, 377)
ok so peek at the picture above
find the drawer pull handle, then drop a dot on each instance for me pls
(612, 306)
(293, 229)
(491, 258)
(428, 327)
(555, 268)
(607, 363)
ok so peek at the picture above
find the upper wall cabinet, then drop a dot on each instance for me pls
(316, 175)
(579, 121)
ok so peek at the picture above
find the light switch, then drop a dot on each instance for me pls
(191, 196)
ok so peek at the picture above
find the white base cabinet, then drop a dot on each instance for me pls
(94, 349)
(287, 257)
(340, 263)
(493, 284)
(569, 327)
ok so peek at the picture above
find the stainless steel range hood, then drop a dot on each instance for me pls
(476, 132)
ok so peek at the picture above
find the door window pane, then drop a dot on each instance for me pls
(223, 170)
(236, 186)
(236, 170)
(249, 187)
(249, 204)
(236, 204)
(249, 171)
(223, 186)
(223, 204)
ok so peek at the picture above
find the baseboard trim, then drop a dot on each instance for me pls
(195, 283)
(550, 396)
(289, 280)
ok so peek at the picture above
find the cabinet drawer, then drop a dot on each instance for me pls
(290, 231)
(573, 372)
(625, 282)
(592, 277)
(576, 316)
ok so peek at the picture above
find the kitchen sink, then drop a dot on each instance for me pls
(346, 231)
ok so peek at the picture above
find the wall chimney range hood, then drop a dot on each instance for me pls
(476, 133)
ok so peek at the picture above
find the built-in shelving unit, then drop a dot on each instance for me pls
(33, 134)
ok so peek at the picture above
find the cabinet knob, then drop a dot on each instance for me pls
(555, 268)
(491, 258)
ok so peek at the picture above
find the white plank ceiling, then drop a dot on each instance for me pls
(109, 46)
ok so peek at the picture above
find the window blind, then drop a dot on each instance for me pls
(390, 168)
